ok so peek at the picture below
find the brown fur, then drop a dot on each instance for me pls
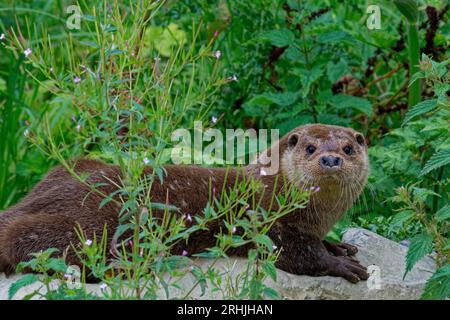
(48, 215)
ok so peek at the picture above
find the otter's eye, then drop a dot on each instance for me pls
(310, 149)
(348, 149)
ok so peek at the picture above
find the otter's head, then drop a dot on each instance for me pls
(325, 156)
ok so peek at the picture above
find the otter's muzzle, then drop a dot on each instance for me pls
(327, 162)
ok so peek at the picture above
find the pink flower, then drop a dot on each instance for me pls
(78, 127)
(184, 253)
(2, 36)
(216, 33)
(27, 52)
(233, 230)
(217, 54)
(146, 161)
(77, 79)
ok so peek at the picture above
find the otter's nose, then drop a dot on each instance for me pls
(330, 161)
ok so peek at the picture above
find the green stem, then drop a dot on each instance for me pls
(414, 51)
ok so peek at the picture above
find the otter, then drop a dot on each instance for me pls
(328, 157)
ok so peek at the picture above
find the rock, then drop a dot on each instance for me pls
(385, 258)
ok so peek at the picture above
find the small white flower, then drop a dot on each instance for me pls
(77, 79)
(146, 161)
(51, 69)
(189, 218)
(2, 36)
(88, 242)
(214, 119)
(263, 172)
(103, 286)
(233, 78)
(78, 127)
(274, 247)
(234, 229)
(27, 52)
(217, 54)
(26, 132)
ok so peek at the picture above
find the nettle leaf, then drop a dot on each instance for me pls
(278, 98)
(278, 38)
(422, 193)
(336, 70)
(26, 280)
(420, 108)
(334, 37)
(437, 160)
(400, 218)
(343, 101)
(443, 213)
(56, 264)
(420, 245)
(438, 286)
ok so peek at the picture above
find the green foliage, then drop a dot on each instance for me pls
(420, 245)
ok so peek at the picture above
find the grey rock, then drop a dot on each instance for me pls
(385, 259)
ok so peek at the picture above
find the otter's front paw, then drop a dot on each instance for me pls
(340, 249)
(347, 268)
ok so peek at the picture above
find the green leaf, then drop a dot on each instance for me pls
(343, 101)
(56, 264)
(335, 71)
(278, 38)
(421, 245)
(271, 293)
(437, 160)
(26, 280)
(420, 108)
(264, 240)
(438, 286)
(408, 8)
(269, 268)
(443, 213)
(334, 37)
(400, 218)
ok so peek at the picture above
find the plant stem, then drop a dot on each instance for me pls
(414, 51)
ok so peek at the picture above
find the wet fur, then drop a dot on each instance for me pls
(48, 216)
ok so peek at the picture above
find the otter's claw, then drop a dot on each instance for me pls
(348, 269)
(340, 249)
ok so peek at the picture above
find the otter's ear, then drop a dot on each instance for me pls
(293, 140)
(360, 139)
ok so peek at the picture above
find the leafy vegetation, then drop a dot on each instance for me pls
(117, 87)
